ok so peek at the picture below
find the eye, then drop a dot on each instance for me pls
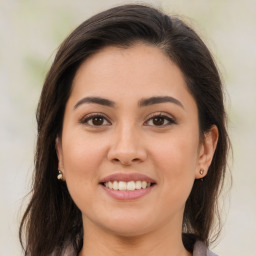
(95, 120)
(160, 120)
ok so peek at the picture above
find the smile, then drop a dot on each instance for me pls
(127, 186)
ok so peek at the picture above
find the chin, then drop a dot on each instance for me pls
(125, 224)
(128, 231)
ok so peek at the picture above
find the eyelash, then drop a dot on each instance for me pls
(85, 120)
(166, 117)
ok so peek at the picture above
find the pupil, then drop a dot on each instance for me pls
(158, 121)
(97, 120)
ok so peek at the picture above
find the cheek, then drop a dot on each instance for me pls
(176, 160)
(82, 153)
(177, 153)
(81, 167)
(82, 158)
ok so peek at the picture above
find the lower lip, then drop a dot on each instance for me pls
(127, 195)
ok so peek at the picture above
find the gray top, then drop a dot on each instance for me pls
(201, 250)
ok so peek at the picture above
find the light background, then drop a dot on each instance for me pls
(31, 31)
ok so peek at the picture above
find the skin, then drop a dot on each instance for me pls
(128, 140)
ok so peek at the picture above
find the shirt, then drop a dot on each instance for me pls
(201, 250)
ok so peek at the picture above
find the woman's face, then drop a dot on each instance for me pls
(130, 148)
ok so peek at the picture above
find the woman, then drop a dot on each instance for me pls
(132, 142)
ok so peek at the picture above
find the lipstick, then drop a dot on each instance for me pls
(127, 186)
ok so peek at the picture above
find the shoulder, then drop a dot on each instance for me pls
(201, 250)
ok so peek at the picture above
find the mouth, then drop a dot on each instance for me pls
(127, 186)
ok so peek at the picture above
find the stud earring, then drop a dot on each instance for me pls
(201, 172)
(60, 175)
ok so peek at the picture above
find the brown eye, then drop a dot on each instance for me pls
(159, 120)
(95, 120)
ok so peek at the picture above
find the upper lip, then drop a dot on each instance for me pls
(127, 177)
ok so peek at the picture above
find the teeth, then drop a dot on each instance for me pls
(130, 185)
(143, 184)
(138, 184)
(122, 185)
(115, 185)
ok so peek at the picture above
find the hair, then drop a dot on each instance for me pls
(52, 220)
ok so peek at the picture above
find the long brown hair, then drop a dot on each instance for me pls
(52, 220)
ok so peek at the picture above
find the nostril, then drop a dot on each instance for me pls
(125, 161)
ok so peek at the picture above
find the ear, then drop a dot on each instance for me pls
(206, 151)
(59, 152)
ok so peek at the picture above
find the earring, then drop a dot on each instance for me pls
(201, 172)
(60, 175)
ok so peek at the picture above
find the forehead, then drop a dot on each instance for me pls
(135, 72)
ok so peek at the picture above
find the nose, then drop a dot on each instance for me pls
(127, 147)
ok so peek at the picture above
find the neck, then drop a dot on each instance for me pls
(163, 242)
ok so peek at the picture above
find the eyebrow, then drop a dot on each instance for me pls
(96, 100)
(142, 103)
(159, 99)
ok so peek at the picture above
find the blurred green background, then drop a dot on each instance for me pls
(30, 33)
